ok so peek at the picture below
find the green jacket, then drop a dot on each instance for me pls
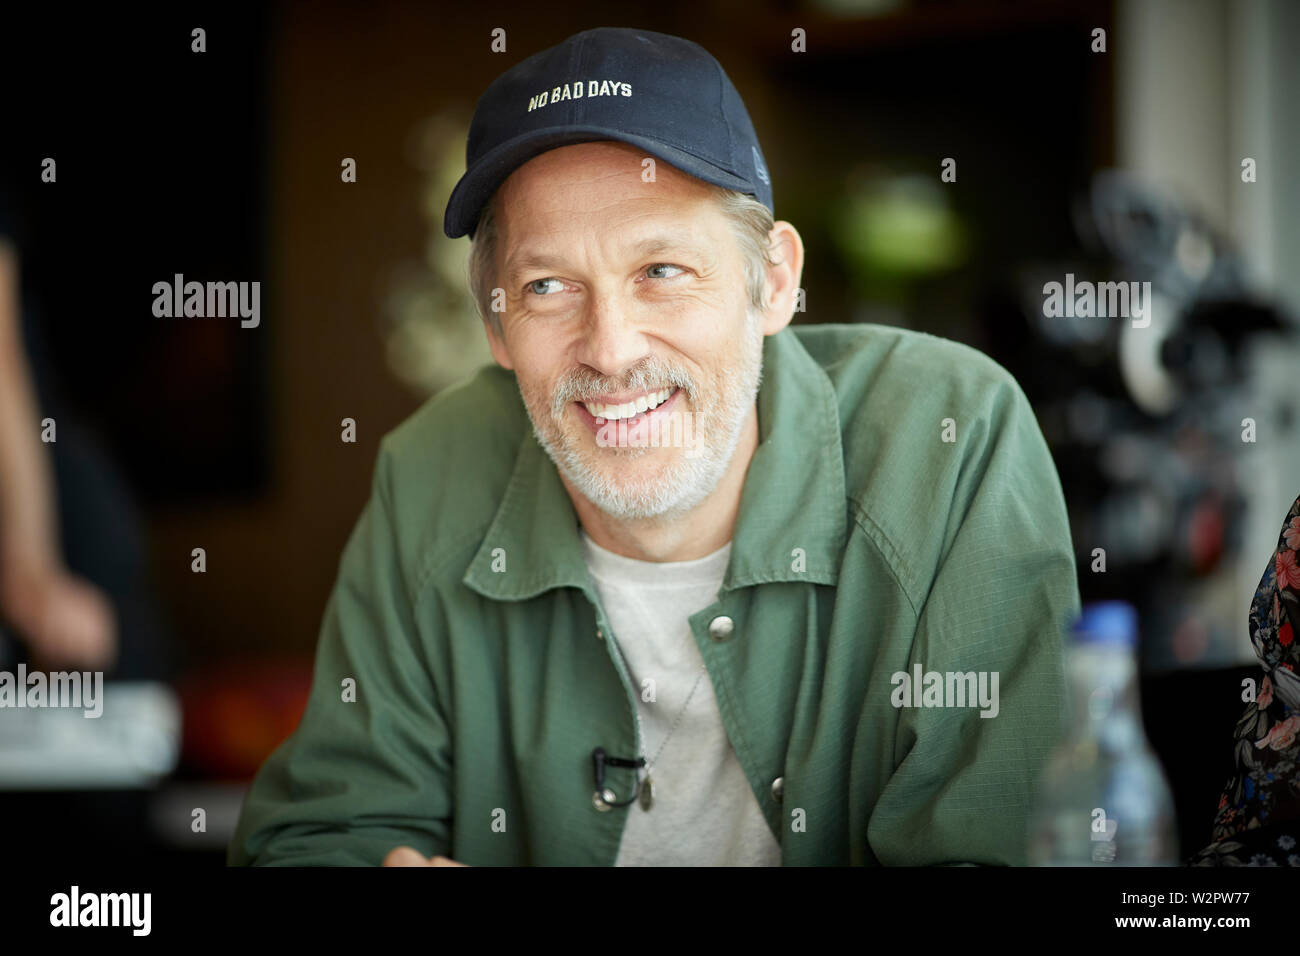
(866, 545)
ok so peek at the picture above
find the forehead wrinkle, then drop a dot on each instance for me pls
(556, 177)
(657, 236)
(558, 173)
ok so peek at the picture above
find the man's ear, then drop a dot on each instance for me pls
(786, 249)
(498, 346)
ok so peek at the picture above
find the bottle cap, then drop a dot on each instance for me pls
(1111, 623)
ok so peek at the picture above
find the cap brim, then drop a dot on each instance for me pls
(477, 185)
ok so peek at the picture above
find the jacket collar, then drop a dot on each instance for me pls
(793, 497)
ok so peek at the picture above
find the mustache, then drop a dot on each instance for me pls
(581, 384)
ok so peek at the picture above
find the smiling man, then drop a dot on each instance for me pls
(615, 332)
(640, 592)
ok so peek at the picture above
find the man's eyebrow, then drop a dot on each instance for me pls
(650, 246)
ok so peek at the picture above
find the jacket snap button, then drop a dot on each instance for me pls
(778, 789)
(720, 628)
(601, 799)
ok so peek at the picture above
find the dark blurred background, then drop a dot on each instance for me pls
(1120, 163)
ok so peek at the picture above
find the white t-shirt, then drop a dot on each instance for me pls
(704, 812)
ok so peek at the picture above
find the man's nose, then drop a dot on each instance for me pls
(614, 336)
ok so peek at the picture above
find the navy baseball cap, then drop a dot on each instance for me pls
(660, 93)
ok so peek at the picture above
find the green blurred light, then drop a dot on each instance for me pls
(900, 226)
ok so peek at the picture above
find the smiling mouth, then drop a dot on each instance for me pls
(629, 411)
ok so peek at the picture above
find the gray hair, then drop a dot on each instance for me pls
(751, 222)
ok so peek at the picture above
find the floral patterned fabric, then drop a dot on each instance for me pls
(1258, 820)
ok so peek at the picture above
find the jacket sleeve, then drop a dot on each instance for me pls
(1000, 603)
(358, 777)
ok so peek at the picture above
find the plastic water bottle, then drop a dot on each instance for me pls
(1103, 798)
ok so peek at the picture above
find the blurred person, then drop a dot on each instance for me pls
(66, 622)
(75, 591)
(557, 638)
(1257, 822)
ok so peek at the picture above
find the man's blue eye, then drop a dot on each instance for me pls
(664, 265)
(532, 286)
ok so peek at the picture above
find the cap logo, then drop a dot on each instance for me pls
(577, 89)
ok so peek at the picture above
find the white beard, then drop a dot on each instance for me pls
(681, 486)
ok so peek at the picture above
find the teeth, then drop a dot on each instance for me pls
(629, 409)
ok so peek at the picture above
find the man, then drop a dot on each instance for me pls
(654, 590)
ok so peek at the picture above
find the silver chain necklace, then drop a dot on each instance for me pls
(647, 784)
(646, 787)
